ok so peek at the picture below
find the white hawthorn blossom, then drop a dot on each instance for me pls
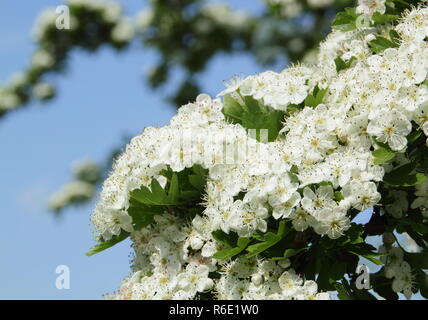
(368, 7)
(391, 128)
(314, 176)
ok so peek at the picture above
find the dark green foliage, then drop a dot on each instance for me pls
(182, 194)
(251, 114)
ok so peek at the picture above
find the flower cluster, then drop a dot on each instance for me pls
(368, 7)
(333, 128)
(165, 246)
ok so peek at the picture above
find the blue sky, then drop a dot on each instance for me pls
(101, 99)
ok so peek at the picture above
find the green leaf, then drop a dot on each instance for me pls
(173, 192)
(337, 270)
(394, 36)
(316, 97)
(288, 253)
(228, 240)
(293, 174)
(142, 215)
(192, 195)
(142, 195)
(292, 252)
(231, 252)
(145, 203)
(313, 261)
(418, 259)
(364, 250)
(417, 227)
(157, 195)
(227, 253)
(243, 242)
(281, 229)
(342, 292)
(271, 121)
(191, 183)
(422, 281)
(232, 108)
(342, 65)
(370, 258)
(108, 244)
(269, 240)
(252, 115)
(403, 176)
(380, 44)
(382, 18)
(415, 135)
(324, 280)
(338, 196)
(252, 105)
(383, 287)
(346, 21)
(198, 179)
(383, 155)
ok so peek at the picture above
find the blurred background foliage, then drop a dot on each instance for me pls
(186, 34)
